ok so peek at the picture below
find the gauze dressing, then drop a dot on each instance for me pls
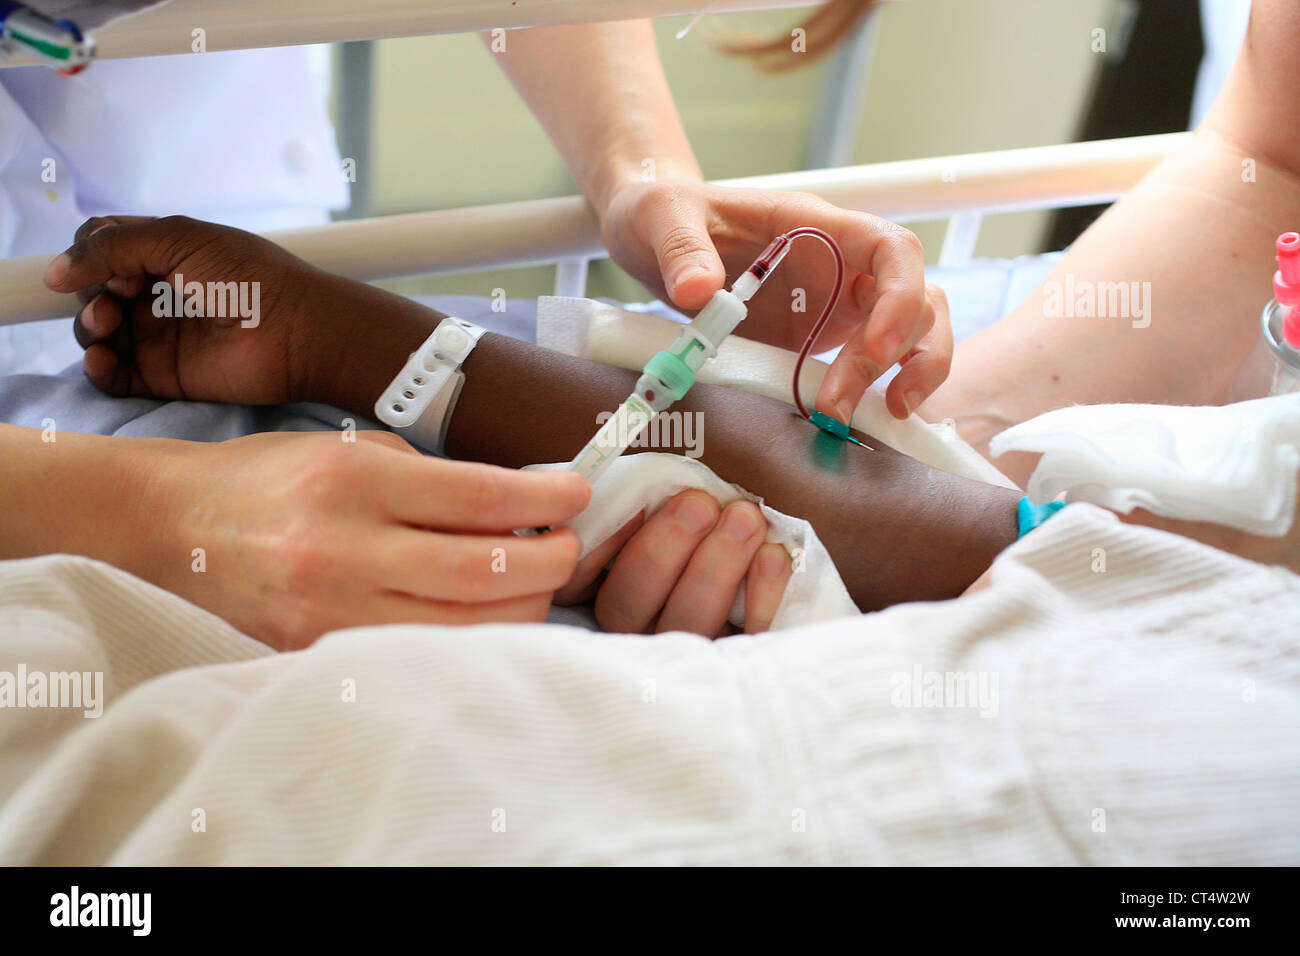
(1231, 465)
(647, 480)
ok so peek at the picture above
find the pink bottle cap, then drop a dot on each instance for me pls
(1286, 285)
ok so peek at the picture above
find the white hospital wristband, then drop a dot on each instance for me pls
(418, 403)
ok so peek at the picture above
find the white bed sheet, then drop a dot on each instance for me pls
(1145, 715)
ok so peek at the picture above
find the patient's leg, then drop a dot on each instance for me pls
(1200, 229)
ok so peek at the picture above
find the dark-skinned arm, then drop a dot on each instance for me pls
(897, 530)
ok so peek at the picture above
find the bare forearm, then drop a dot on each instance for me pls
(76, 494)
(1191, 248)
(600, 92)
(896, 529)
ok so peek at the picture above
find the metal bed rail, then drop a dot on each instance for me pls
(564, 230)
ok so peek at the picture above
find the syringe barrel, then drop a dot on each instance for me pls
(621, 429)
(666, 378)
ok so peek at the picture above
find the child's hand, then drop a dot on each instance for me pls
(113, 267)
(680, 570)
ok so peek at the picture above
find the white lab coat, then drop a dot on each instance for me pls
(1223, 27)
(242, 138)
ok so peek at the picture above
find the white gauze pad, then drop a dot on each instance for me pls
(647, 480)
(616, 336)
(1231, 465)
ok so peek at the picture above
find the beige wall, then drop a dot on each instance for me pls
(949, 76)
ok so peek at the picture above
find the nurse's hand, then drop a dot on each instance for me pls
(307, 533)
(684, 238)
(680, 570)
(131, 350)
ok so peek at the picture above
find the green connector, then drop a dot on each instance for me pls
(675, 374)
(833, 426)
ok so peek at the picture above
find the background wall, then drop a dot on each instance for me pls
(948, 76)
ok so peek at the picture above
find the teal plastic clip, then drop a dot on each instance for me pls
(1029, 515)
(834, 426)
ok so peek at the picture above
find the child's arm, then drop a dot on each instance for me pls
(896, 529)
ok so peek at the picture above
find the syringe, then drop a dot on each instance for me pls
(669, 375)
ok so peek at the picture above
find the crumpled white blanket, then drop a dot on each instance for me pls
(1144, 714)
(1232, 465)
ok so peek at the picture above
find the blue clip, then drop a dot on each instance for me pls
(1029, 515)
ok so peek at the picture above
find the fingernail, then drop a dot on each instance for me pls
(58, 268)
(118, 285)
(681, 278)
(844, 411)
(740, 524)
(90, 317)
(694, 515)
(912, 399)
(772, 561)
(687, 272)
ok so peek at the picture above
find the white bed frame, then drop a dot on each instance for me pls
(962, 189)
(245, 24)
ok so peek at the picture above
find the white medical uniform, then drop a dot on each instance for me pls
(240, 137)
(1223, 27)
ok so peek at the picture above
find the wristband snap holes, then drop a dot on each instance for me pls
(439, 356)
(408, 394)
(398, 407)
(418, 380)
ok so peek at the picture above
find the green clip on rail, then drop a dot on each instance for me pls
(59, 43)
